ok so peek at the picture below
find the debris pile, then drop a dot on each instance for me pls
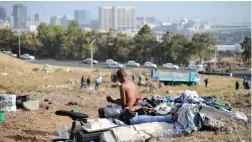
(48, 68)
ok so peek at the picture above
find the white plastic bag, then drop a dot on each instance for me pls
(63, 133)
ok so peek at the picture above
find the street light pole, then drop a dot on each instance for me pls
(19, 50)
(92, 53)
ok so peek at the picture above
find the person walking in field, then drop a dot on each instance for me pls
(88, 81)
(237, 85)
(83, 82)
(206, 82)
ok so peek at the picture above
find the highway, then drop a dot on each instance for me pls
(74, 63)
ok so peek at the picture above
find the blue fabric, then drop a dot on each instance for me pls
(97, 81)
(147, 119)
(208, 99)
(144, 104)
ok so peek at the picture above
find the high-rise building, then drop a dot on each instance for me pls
(10, 19)
(55, 20)
(20, 15)
(39, 17)
(94, 24)
(150, 20)
(66, 20)
(117, 17)
(82, 17)
(2, 13)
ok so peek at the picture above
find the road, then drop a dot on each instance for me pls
(73, 63)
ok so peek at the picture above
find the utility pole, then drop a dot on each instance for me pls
(19, 50)
(92, 53)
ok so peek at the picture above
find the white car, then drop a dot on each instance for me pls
(115, 65)
(27, 57)
(9, 53)
(192, 67)
(133, 64)
(170, 66)
(88, 61)
(109, 61)
(150, 65)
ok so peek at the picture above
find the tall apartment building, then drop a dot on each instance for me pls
(10, 19)
(117, 17)
(82, 17)
(20, 15)
(55, 20)
(66, 20)
(2, 13)
(39, 17)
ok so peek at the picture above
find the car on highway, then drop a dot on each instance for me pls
(109, 61)
(115, 65)
(150, 65)
(27, 57)
(88, 61)
(9, 53)
(170, 66)
(132, 63)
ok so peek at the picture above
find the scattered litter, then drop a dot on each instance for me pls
(4, 74)
(48, 68)
(7, 102)
(31, 105)
(69, 69)
(46, 86)
(64, 86)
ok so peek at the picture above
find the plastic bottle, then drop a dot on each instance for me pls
(63, 133)
(168, 133)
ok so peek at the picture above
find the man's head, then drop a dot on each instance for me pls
(121, 75)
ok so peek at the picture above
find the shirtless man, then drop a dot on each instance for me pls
(128, 92)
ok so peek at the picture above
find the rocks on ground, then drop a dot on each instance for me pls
(31, 105)
(48, 68)
(3, 74)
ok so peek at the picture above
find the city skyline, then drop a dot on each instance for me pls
(215, 12)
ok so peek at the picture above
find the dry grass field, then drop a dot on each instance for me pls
(29, 79)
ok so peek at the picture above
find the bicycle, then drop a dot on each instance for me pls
(80, 135)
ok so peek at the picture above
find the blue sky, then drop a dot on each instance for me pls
(220, 12)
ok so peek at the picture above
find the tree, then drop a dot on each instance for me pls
(203, 44)
(7, 39)
(145, 44)
(246, 45)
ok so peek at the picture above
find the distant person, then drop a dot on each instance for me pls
(88, 81)
(244, 81)
(113, 77)
(146, 77)
(140, 79)
(133, 77)
(97, 83)
(206, 82)
(247, 84)
(237, 85)
(83, 82)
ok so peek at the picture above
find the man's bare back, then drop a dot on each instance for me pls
(129, 93)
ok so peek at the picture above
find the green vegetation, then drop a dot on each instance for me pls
(75, 43)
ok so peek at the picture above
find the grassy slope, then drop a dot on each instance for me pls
(22, 78)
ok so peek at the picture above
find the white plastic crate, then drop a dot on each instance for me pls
(7, 102)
